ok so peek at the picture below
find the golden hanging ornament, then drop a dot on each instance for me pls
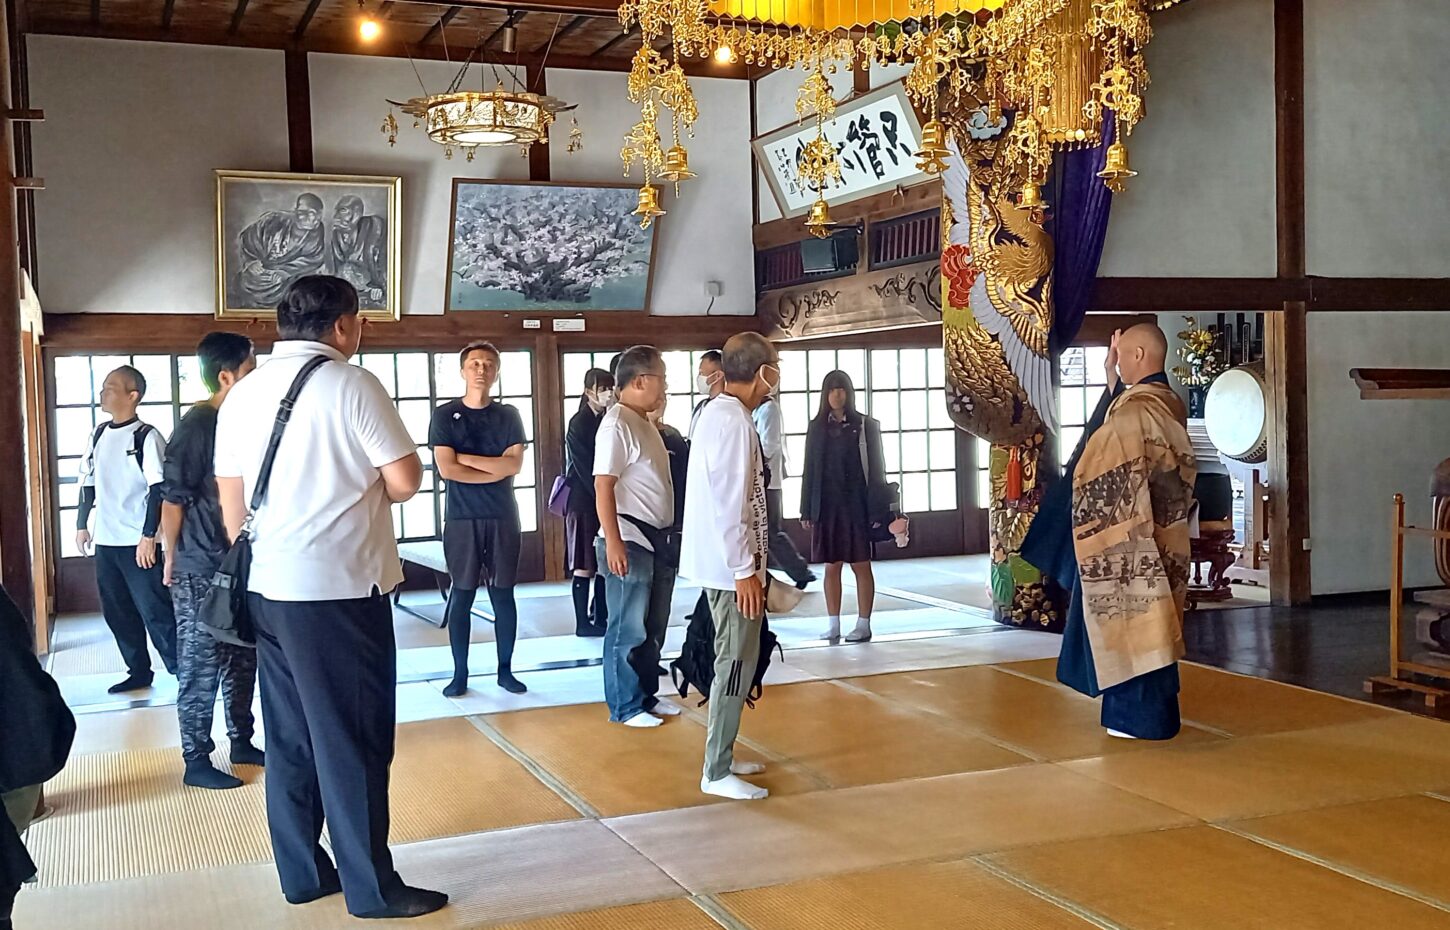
(819, 223)
(1115, 169)
(677, 165)
(1031, 198)
(932, 155)
(649, 206)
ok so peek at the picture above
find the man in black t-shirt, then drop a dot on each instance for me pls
(478, 447)
(195, 540)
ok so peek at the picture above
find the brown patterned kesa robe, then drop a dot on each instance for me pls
(1131, 494)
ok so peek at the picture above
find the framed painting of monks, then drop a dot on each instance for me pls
(539, 247)
(273, 228)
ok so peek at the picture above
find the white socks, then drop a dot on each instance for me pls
(862, 633)
(746, 768)
(1120, 734)
(643, 719)
(833, 632)
(733, 788)
(665, 708)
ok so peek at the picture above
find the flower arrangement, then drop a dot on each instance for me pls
(1200, 355)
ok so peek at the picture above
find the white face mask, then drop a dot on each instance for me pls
(604, 398)
(704, 383)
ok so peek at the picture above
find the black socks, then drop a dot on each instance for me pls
(200, 773)
(132, 683)
(583, 625)
(247, 754)
(601, 609)
(408, 902)
(506, 630)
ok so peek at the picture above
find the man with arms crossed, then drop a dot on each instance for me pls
(324, 560)
(478, 447)
(121, 479)
(725, 547)
(635, 498)
(196, 541)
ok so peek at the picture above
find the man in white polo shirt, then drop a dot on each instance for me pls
(635, 498)
(121, 478)
(324, 560)
(725, 544)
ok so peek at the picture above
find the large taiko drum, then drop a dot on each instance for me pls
(1235, 415)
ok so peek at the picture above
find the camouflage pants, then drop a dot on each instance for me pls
(204, 662)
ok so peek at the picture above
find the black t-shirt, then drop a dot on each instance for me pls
(189, 480)
(489, 432)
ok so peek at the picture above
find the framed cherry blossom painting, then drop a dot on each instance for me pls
(542, 246)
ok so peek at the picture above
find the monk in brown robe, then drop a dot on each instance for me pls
(1132, 489)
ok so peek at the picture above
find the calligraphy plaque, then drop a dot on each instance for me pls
(875, 137)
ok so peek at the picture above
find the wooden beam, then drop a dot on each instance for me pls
(607, 46)
(511, 20)
(559, 35)
(1289, 136)
(754, 168)
(1402, 383)
(1285, 370)
(860, 81)
(440, 25)
(549, 392)
(1257, 295)
(302, 23)
(537, 81)
(28, 184)
(385, 47)
(96, 12)
(876, 207)
(15, 564)
(167, 9)
(299, 110)
(237, 15)
(592, 7)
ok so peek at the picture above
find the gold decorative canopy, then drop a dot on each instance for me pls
(1051, 71)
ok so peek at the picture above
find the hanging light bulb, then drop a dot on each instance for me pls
(368, 28)
(724, 54)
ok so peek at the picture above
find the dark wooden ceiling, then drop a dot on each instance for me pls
(584, 33)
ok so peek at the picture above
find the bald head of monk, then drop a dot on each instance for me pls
(1142, 351)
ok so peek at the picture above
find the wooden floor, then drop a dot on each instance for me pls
(927, 780)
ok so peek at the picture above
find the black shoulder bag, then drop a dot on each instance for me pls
(224, 611)
(664, 541)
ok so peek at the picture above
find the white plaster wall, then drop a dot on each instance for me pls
(775, 97)
(1203, 202)
(1376, 138)
(1361, 452)
(133, 132)
(349, 101)
(706, 232)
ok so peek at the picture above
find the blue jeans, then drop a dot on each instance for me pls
(639, 614)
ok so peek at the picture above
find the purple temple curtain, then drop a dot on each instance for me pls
(1079, 228)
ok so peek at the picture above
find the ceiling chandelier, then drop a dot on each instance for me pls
(467, 119)
(1055, 72)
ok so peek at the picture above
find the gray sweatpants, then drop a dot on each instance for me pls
(737, 649)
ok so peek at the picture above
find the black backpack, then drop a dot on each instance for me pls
(138, 442)
(696, 665)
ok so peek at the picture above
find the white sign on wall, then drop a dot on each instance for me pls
(875, 136)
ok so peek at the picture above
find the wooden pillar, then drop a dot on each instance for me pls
(549, 444)
(1285, 359)
(14, 494)
(1285, 348)
(299, 110)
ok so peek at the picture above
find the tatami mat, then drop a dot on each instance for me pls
(1047, 721)
(1245, 706)
(1205, 879)
(938, 896)
(620, 770)
(491, 878)
(1260, 775)
(873, 741)
(657, 915)
(1400, 841)
(448, 778)
(727, 848)
(986, 647)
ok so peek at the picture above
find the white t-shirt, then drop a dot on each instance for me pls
(725, 536)
(770, 424)
(121, 484)
(325, 529)
(631, 449)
